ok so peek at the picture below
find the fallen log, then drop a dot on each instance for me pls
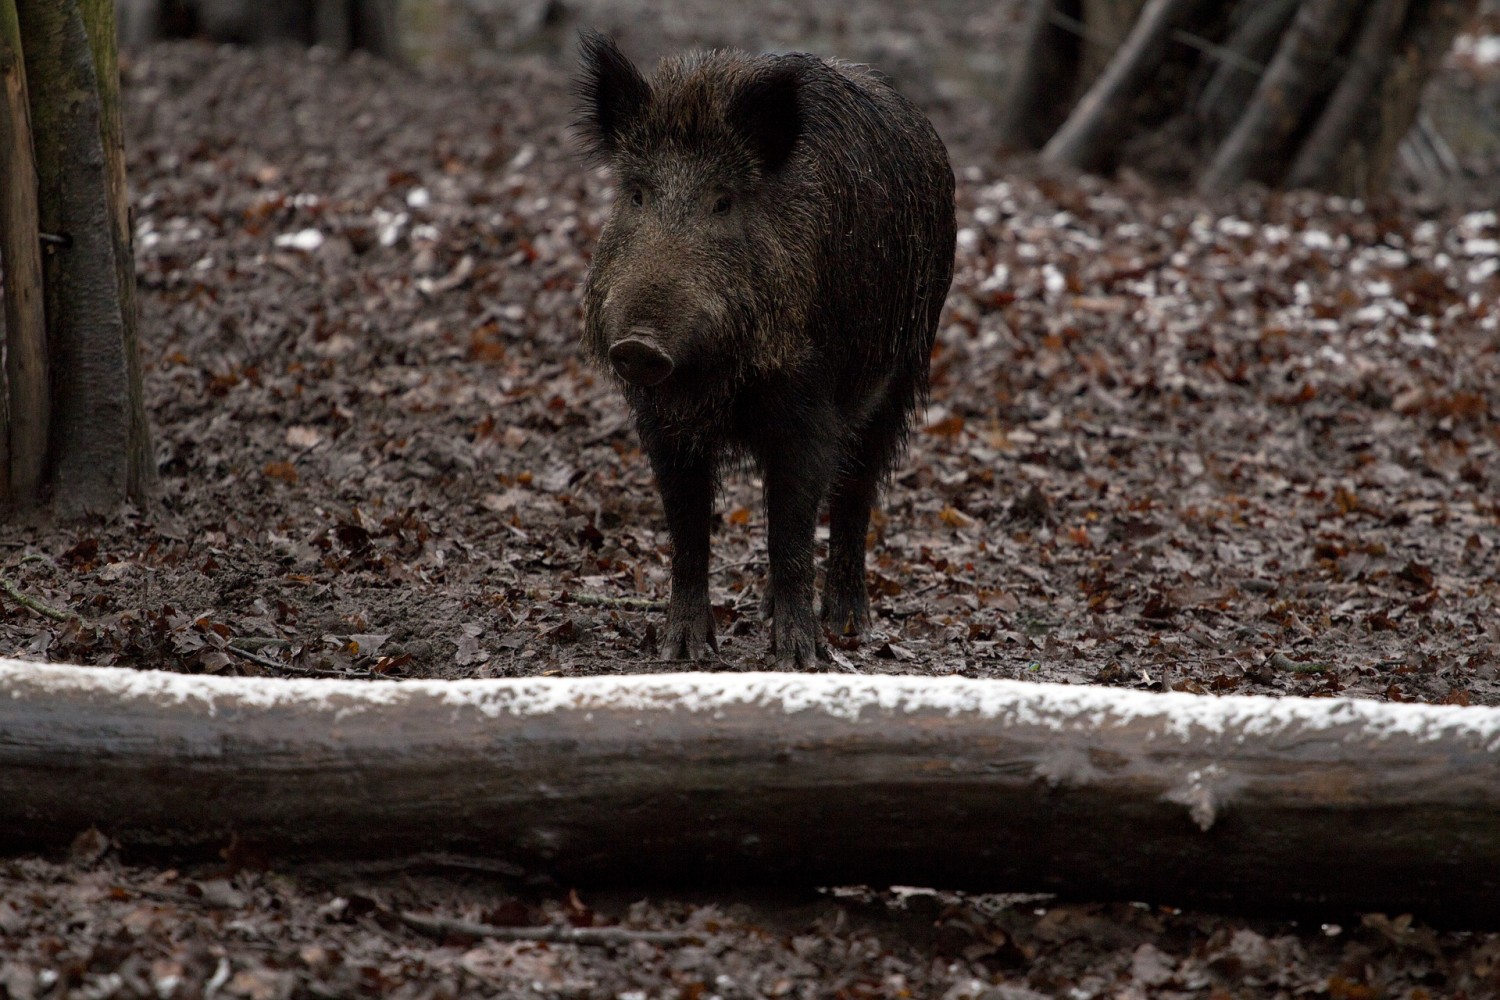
(1322, 805)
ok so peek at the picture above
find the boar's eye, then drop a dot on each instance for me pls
(723, 204)
(637, 195)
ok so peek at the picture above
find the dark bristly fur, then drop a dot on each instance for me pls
(768, 285)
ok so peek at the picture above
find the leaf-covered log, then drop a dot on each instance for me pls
(1293, 804)
(1307, 93)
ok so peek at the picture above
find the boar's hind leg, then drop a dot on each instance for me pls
(796, 479)
(686, 483)
(846, 600)
(846, 604)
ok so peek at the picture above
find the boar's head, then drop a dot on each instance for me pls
(702, 275)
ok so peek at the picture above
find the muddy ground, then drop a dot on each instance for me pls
(1247, 446)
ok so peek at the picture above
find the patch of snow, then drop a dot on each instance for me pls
(388, 225)
(1053, 280)
(303, 239)
(1483, 50)
(864, 700)
(1478, 221)
(1316, 239)
(1483, 270)
(1419, 338)
(1231, 226)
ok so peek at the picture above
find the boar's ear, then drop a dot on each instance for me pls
(610, 90)
(767, 111)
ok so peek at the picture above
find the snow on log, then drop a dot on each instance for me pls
(1291, 803)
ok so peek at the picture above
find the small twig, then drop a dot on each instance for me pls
(254, 642)
(264, 661)
(928, 588)
(287, 666)
(631, 603)
(429, 860)
(443, 926)
(41, 608)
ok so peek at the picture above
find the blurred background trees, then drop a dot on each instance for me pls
(1291, 93)
(340, 25)
(1301, 93)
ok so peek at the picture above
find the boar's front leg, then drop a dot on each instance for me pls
(685, 479)
(796, 476)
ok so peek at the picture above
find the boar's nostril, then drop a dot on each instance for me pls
(640, 361)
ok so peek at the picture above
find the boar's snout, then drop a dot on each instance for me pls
(640, 360)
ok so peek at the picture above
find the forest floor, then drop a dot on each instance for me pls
(1247, 446)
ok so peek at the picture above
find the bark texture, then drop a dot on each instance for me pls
(98, 452)
(1317, 805)
(99, 22)
(26, 399)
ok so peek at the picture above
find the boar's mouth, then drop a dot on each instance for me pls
(640, 359)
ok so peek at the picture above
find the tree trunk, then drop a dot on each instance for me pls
(1292, 804)
(1340, 117)
(1043, 82)
(1089, 135)
(1316, 93)
(99, 452)
(1431, 26)
(1107, 23)
(99, 22)
(1250, 45)
(26, 399)
(1257, 146)
(331, 24)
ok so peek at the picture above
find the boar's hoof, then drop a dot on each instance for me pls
(640, 361)
(794, 644)
(844, 615)
(689, 636)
